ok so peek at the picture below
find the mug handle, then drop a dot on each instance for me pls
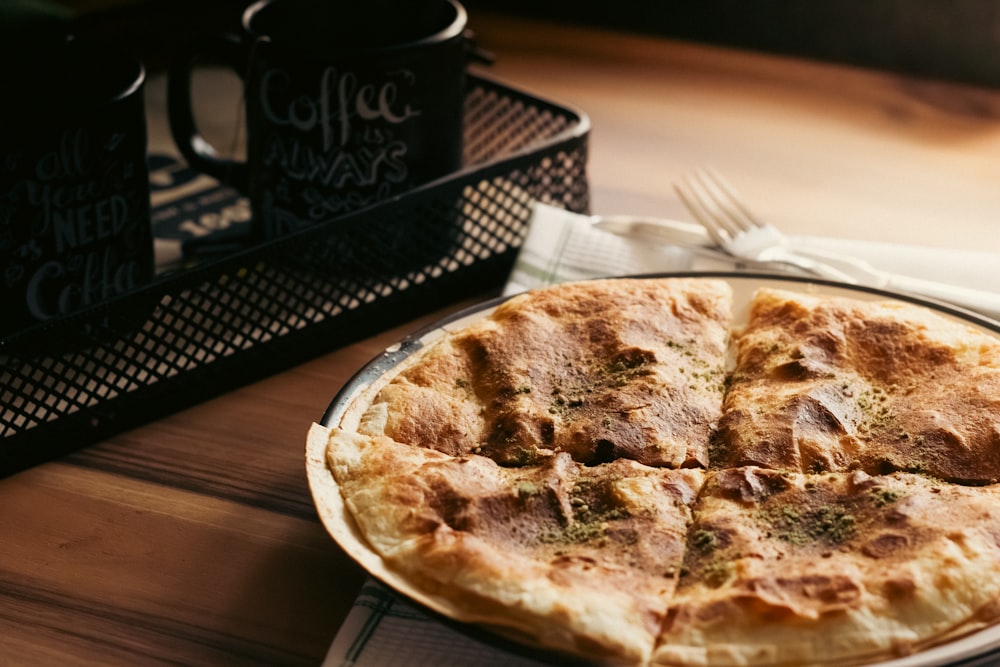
(475, 53)
(200, 154)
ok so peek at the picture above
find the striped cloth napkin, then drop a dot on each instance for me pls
(383, 629)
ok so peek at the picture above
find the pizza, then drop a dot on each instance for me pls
(619, 469)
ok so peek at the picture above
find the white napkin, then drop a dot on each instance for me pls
(383, 629)
(564, 246)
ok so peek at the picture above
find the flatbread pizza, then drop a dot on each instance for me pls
(618, 469)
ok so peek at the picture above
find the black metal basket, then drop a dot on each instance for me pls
(198, 332)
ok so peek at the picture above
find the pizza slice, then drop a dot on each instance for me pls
(601, 370)
(832, 384)
(575, 557)
(789, 569)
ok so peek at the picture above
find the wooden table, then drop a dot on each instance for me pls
(193, 540)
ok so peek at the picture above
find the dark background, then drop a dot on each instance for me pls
(957, 40)
(946, 39)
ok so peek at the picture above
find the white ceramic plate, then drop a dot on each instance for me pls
(979, 649)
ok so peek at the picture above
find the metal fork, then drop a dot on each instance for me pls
(738, 231)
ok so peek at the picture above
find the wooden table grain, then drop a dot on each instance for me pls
(193, 540)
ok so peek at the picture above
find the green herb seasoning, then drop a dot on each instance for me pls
(704, 541)
(702, 374)
(818, 466)
(591, 514)
(827, 524)
(626, 366)
(518, 456)
(575, 532)
(883, 497)
(875, 408)
(717, 572)
(525, 489)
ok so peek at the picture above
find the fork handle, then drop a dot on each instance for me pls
(980, 301)
(987, 303)
(784, 256)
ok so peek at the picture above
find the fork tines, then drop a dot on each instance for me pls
(715, 203)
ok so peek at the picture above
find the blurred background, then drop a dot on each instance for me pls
(957, 40)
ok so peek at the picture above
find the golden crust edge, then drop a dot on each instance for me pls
(936, 651)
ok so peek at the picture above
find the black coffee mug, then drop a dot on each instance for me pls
(338, 117)
(74, 188)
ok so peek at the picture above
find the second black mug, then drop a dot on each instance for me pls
(336, 120)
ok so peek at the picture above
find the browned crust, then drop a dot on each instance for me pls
(836, 384)
(825, 568)
(602, 370)
(552, 551)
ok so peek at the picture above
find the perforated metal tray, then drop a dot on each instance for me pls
(197, 332)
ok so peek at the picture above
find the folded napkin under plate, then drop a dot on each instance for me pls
(383, 629)
(563, 246)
